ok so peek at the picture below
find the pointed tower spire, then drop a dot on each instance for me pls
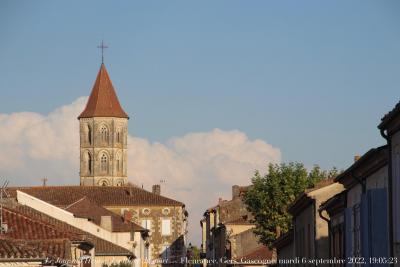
(103, 100)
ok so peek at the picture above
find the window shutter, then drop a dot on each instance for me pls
(364, 227)
(348, 233)
(379, 222)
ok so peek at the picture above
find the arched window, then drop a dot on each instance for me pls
(118, 162)
(104, 134)
(104, 163)
(89, 134)
(119, 135)
(103, 183)
(89, 163)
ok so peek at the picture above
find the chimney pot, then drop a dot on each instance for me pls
(156, 189)
(235, 191)
(356, 157)
(128, 215)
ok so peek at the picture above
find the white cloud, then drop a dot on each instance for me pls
(198, 168)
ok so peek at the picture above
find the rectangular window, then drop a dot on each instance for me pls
(146, 224)
(166, 227)
(146, 253)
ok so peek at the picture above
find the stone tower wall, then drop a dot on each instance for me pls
(103, 137)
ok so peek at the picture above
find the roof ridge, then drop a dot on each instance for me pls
(76, 202)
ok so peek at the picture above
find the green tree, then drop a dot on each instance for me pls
(270, 195)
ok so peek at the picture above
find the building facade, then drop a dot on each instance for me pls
(227, 234)
(164, 218)
(311, 234)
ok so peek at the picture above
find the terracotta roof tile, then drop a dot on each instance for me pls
(63, 196)
(22, 226)
(34, 249)
(103, 100)
(85, 208)
(102, 247)
(262, 253)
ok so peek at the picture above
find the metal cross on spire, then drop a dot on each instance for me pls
(102, 46)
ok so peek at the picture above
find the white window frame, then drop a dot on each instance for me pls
(163, 227)
(146, 223)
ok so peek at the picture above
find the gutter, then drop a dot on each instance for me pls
(390, 186)
(329, 229)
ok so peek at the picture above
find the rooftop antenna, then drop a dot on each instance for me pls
(44, 180)
(3, 226)
(102, 46)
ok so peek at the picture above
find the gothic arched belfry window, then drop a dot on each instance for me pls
(119, 136)
(104, 163)
(104, 134)
(89, 163)
(89, 134)
(118, 162)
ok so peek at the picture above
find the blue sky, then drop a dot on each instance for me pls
(312, 78)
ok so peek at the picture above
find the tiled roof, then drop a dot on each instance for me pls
(262, 253)
(34, 249)
(374, 158)
(102, 247)
(103, 101)
(63, 196)
(304, 200)
(389, 116)
(22, 226)
(85, 208)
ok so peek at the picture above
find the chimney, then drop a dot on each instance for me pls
(128, 215)
(105, 223)
(356, 157)
(235, 191)
(156, 189)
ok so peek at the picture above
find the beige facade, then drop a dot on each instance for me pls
(167, 227)
(311, 235)
(227, 233)
(103, 151)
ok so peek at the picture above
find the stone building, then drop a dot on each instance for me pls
(362, 209)
(103, 128)
(34, 238)
(311, 236)
(164, 218)
(227, 233)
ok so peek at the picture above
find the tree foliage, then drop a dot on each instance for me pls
(270, 195)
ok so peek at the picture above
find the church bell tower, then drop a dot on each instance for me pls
(103, 127)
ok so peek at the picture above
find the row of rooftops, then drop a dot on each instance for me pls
(63, 196)
(35, 235)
